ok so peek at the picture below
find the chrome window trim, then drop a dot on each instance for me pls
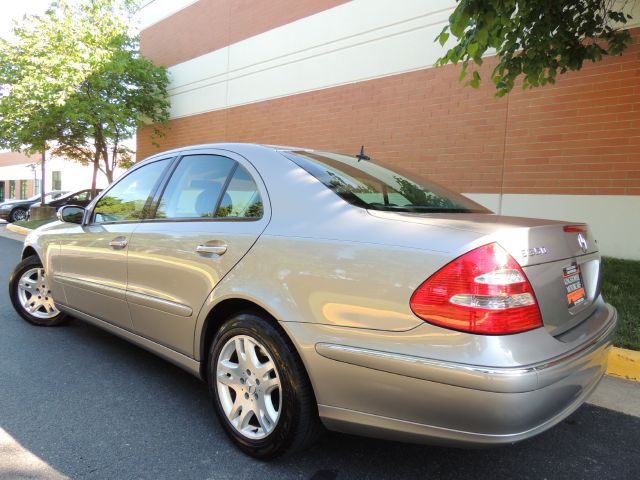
(157, 192)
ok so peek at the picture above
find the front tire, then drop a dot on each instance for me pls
(30, 294)
(260, 390)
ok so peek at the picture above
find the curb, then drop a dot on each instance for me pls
(17, 229)
(624, 363)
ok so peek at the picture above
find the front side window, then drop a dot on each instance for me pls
(368, 185)
(81, 196)
(195, 187)
(127, 199)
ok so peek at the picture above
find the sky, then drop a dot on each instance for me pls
(12, 9)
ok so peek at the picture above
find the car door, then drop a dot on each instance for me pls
(207, 217)
(91, 264)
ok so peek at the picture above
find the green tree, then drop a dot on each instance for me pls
(534, 38)
(74, 80)
(39, 70)
(111, 103)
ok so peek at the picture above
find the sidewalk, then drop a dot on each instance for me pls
(8, 233)
(617, 394)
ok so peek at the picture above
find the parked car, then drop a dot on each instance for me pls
(310, 288)
(80, 198)
(16, 210)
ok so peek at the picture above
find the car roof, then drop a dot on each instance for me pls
(239, 148)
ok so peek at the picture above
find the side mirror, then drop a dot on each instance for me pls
(71, 214)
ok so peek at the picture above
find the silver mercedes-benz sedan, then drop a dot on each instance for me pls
(313, 289)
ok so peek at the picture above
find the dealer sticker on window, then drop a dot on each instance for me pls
(576, 294)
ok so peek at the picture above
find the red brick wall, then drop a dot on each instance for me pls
(581, 136)
(206, 26)
(16, 158)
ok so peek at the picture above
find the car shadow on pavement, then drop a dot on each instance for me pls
(92, 405)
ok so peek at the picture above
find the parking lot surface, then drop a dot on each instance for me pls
(78, 402)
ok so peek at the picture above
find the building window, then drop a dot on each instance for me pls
(1, 191)
(36, 186)
(24, 184)
(12, 189)
(56, 183)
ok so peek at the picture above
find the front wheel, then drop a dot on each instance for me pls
(260, 389)
(30, 294)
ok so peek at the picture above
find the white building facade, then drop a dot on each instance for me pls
(20, 175)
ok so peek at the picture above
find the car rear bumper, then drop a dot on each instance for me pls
(450, 403)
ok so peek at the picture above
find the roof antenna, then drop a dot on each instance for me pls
(362, 155)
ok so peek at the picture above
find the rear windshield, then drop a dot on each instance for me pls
(368, 185)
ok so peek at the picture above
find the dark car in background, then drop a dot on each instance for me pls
(16, 210)
(81, 198)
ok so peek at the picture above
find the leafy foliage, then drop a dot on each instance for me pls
(114, 208)
(74, 79)
(419, 196)
(38, 73)
(534, 38)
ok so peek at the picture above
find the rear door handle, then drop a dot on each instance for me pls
(219, 249)
(118, 242)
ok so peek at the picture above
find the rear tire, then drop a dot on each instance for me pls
(31, 295)
(252, 366)
(17, 215)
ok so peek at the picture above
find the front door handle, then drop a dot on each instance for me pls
(218, 249)
(118, 242)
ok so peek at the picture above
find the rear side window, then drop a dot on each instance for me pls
(127, 199)
(210, 186)
(195, 187)
(368, 185)
(242, 198)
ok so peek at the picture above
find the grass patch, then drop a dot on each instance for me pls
(34, 223)
(621, 288)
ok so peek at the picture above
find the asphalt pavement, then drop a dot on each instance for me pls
(78, 402)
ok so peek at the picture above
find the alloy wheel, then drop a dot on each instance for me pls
(248, 386)
(19, 215)
(34, 294)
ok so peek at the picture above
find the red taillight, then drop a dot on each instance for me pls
(484, 291)
(575, 228)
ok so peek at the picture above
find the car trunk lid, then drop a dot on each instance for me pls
(560, 259)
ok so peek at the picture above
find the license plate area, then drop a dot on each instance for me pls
(574, 285)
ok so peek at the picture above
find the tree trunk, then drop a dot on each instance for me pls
(102, 151)
(42, 188)
(108, 169)
(96, 165)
